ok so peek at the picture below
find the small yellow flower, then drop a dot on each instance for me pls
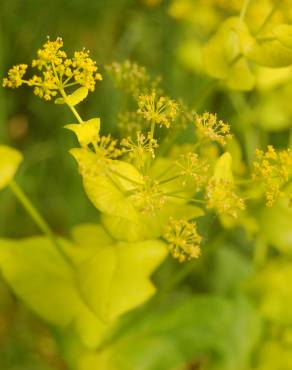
(210, 128)
(274, 170)
(56, 72)
(148, 197)
(131, 77)
(221, 197)
(139, 148)
(183, 239)
(192, 167)
(15, 75)
(106, 147)
(160, 110)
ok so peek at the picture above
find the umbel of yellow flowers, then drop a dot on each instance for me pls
(56, 71)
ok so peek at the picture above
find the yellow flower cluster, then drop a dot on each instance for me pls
(106, 147)
(15, 75)
(129, 76)
(221, 197)
(139, 148)
(192, 167)
(130, 122)
(210, 128)
(183, 239)
(160, 110)
(149, 197)
(273, 169)
(57, 72)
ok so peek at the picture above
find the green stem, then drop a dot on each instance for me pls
(244, 10)
(37, 218)
(73, 110)
(260, 252)
(269, 16)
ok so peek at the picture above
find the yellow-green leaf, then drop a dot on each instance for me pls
(86, 132)
(223, 168)
(271, 287)
(268, 51)
(9, 161)
(106, 184)
(46, 283)
(283, 33)
(117, 278)
(148, 226)
(222, 56)
(77, 96)
(276, 226)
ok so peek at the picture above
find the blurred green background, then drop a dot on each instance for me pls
(166, 37)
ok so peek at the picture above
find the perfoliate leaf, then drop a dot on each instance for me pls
(240, 77)
(148, 226)
(283, 33)
(275, 355)
(77, 96)
(268, 51)
(41, 278)
(222, 56)
(187, 331)
(117, 278)
(276, 226)
(105, 183)
(9, 161)
(86, 132)
(271, 288)
(223, 168)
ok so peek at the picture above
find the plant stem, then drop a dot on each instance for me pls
(260, 252)
(244, 10)
(37, 218)
(74, 111)
(269, 16)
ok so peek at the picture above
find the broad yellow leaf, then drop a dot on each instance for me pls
(9, 161)
(86, 132)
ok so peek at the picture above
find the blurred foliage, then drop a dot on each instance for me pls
(228, 310)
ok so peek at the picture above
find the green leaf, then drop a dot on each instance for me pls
(223, 168)
(271, 288)
(275, 355)
(283, 33)
(148, 226)
(117, 278)
(10, 159)
(196, 330)
(222, 56)
(46, 283)
(77, 96)
(268, 51)
(86, 132)
(276, 226)
(105, 184)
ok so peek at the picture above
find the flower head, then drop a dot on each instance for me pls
(221, 197)
(139, 148)
(192, 167)
(131, 77)
(183, 239)
(210, 128)
(56, 72)
(106, 147)
(273, 169)
(160, 110)
(15, 75)
(148, 197)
